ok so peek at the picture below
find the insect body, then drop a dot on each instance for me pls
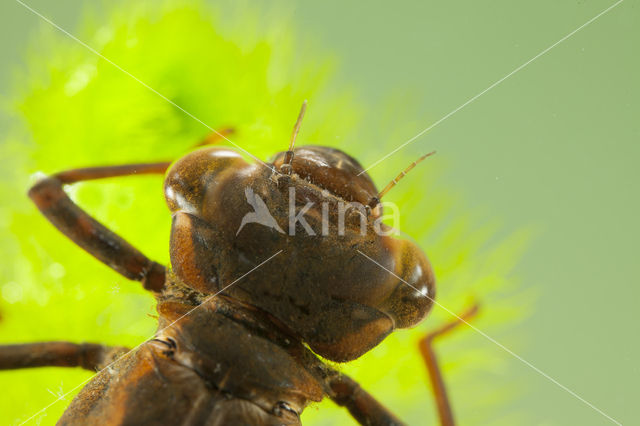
(244, 308)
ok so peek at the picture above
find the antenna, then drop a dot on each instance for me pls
(288, 156)
(376, 200)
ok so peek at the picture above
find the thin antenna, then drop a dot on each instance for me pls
(376, 200)
(288, 156)
(296, 128)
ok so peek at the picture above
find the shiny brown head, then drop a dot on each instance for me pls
(230, 215)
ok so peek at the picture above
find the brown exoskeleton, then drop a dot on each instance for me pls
(244, 307)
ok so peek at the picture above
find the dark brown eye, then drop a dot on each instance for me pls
(189, 178)
(413, 296)
(333, 170)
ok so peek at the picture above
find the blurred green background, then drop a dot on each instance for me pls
(531, 203)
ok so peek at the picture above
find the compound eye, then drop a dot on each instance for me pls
(333, 170)
(413, 296)
(192, 251)
(189, 178)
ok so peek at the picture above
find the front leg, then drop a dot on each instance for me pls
(90, 356)
(363, 407)
(445, 413)
(49, 196)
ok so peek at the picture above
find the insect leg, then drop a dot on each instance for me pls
(435, 375)
(89, 356)
(91, 235)
(362, 406)
(215, 137)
